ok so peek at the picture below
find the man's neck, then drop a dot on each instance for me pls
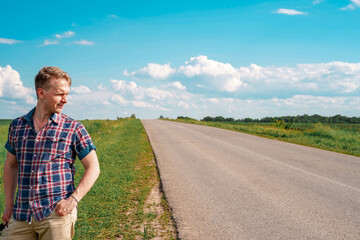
(41, 114)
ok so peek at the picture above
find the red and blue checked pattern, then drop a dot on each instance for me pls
(45, 162)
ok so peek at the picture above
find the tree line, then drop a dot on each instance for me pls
(293, 119)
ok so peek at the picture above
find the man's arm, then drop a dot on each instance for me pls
(10, 183)
(92, 171)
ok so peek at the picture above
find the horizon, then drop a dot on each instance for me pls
(200, 58)
(200, 119)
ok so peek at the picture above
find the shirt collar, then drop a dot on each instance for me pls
(30, 114)
(54, 117)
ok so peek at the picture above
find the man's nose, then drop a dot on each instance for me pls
(64, 99)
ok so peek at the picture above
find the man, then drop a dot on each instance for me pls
(42, 147)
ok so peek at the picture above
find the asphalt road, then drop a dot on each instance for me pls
(227, 185)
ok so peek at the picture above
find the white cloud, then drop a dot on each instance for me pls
(116, 98)
(258, 81)
(157, 94)
(315, 2)
(126, 73)
(289, 12)
(252, 91)
(105, 102)
(295, 105)
(348, 7)
(213, 100)
(184, 105)
(222, 76)
(203, 74)
(139, 92)
(178, 85)
(93, 98)
(322, 88)
(142, 104)
(162, 98)
(112, 16)
(7, 102)
(315, 79)
(315, 103)
(155, 71)
(11, 86)
(65, 34)
(84, 42)
(201, 65)
(354, 4)
(80, 89)
(101, 87)
(8, 41)
(49, 42)
(123, 86)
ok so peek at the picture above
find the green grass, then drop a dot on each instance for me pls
(4, 128)
(114, 206)
(342, 138)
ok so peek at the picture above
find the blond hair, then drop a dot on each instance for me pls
(46, 74)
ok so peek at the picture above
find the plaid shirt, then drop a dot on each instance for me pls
(45, 162)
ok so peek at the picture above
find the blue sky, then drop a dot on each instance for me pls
(195, 58)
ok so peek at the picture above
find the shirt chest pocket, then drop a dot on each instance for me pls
(23, 147)
(24, 143)
(57, 147)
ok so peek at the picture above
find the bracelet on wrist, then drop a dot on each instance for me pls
(75, 198)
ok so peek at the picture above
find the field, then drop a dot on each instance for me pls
(342, 138)
(116, 207)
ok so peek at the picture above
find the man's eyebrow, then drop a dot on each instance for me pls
(61, 92)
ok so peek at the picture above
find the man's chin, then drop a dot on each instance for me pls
(58, 110)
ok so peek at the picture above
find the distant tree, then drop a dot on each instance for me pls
(133, 116)
(186, 118)
(207, 119)
(229, 120)
(219, 119)
(305, 118)
(248, 120)
(354, 120)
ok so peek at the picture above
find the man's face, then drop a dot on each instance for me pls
(56, 96)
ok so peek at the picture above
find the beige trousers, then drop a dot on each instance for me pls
(54, 227)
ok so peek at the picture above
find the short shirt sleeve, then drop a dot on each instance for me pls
(10, 144)
(82, 141)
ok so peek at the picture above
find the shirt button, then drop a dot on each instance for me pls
(34, 155)
(32, 171)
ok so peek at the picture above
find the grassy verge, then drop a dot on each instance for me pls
(114, 207)
(342, 138)
(4, 128)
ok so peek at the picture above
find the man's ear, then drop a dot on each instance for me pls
(40, 93)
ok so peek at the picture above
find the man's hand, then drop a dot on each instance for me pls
(7, 214)
(92, 171)
(10, 183)
(65, 206)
